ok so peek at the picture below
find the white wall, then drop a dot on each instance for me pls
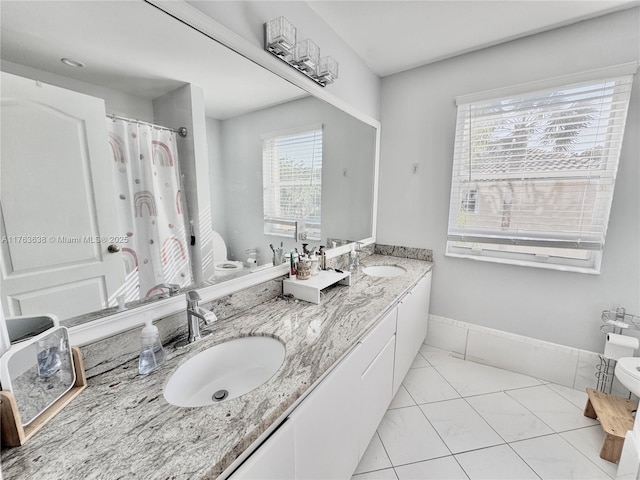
(347, 143)
(218, 185)
(184, 107)
(418, 124)
(116, 102)
(357, 84)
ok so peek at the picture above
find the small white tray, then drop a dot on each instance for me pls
(309, 290)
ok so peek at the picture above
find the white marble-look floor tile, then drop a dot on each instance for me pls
(419, 362)
(408, 437)
(374, 457)
(495, 463)
(553, 409)
(426, 385)
(445, 468)
(470, 378)
(437, 356)
(386, 474)
(552, 457)
(402, 399)
(509, 418)
(577, 397)
(460, 426)
(589, 442)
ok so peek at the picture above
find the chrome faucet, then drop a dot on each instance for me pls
(195, 313)
(355, 257)
(172, 289)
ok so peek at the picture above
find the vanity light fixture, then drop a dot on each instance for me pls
(280, 40)
(72, 63)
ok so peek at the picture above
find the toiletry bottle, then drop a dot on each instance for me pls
(323, 258)
(152, 354)
(293, 259)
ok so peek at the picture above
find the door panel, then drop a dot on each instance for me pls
(413, 317)
(58, 233)
(273, 460)
(376, 393)
(326, 423)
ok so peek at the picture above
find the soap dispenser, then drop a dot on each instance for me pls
(151, 354)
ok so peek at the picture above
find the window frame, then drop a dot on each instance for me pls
(299, 228)
(482, 249)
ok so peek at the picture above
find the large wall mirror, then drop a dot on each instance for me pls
(105, 206)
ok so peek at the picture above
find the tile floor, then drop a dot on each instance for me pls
(453, 419)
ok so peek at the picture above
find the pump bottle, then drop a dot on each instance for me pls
(151, 354)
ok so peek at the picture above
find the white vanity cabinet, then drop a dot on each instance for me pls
(326, 422)
(328, 432)
(411, 329)
(274, 460)
(376, 353)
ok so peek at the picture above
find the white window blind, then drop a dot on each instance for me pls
(538, 169)
(292, 183)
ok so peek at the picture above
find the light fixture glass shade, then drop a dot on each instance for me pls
(306, 56)
(280, 36)
(327, 70)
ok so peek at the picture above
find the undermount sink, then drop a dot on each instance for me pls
(384, 271)
(224, 371)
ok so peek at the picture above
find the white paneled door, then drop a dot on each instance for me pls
(57, 202)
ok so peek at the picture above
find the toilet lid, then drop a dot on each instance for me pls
(218, 246)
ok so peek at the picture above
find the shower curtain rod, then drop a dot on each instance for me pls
(182, 131)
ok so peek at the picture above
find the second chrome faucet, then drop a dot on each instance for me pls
(195, 313)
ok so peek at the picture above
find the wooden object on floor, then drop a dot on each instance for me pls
(615, 418)
(14, 433)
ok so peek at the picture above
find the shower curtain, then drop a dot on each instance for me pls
(150, 212)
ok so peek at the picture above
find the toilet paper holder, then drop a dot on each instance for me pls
(616, 323)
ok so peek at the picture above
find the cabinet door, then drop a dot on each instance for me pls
(422, 294)
(377, 383)
(413, 316)
(325, 425)
(273, 460)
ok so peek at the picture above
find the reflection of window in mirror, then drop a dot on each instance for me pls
(292, 182)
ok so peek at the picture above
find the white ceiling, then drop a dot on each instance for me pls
(134, 48)
(393, 36)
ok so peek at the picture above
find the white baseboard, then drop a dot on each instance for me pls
(547, 361)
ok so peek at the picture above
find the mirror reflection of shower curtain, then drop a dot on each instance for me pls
(147, 180)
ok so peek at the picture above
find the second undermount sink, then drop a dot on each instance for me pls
(384, 271)
(224, 371)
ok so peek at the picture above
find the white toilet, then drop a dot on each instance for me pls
(221, 266)
(628, 374)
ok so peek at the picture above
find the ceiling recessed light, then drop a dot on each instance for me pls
(72, 63)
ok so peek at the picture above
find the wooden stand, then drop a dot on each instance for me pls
(615, 418)
(14, 433)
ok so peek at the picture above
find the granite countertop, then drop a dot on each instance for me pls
(122, 427)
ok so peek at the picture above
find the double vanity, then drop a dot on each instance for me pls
(337, 366)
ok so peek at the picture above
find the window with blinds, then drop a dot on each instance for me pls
(292, 183)
(533, 175)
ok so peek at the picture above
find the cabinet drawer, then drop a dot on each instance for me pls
(373, 343)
